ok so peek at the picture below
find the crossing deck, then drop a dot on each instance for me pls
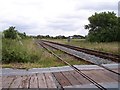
(62, 79)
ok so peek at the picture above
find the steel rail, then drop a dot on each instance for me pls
(105, 55)
(86, 60)
(76, 69)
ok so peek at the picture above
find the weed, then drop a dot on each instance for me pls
(111, 47)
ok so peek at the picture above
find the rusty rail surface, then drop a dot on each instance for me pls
(73, 67)
(84, 59)
(105, 55)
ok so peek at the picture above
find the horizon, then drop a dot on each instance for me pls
(52, 17)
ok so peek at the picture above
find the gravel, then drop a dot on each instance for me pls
(85, 56)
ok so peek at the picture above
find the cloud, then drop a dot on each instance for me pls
(119, 9)
(63, 25)
(22, 24)
(53, 17)
(99, 6)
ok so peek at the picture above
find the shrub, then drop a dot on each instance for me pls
(12, 51)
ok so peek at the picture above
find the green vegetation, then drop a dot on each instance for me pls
(27, 55)
(21, 51)
(11, 33)
(103, 27)
(69, 59)
(30, 55)
(15, 51)
(111, 47)
(0, 47)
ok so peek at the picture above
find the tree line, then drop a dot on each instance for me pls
(60, 37)
(102, 27)
(14, 34)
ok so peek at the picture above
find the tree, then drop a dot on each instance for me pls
(60, 37)
(13, 34)
(10, 33)
(103, 27)
(78, 36)
(22, 35)
(118, 34)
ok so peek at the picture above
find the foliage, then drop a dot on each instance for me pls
(118, 34)
(78, 36)
(103, 27)
(111, 47)
(22, 35)
(50, 37)
(12, 51)
(60, 37)
(13, 34)
(10, 33)
(29, 55)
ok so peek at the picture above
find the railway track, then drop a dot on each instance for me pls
(105, 55)
(90, 61)
(76, 69)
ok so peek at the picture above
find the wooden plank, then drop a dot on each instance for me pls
(49, 80)
(33, 81)
(0, 82)
(70, 77)
(7, 80)
(102, 74)
(117, 70)
(106, 77)
(111, 75)
(77, 87)
(98, 76)
(80, 78)
(24, 81)
(41, 81)
(61, 79)
(94, 76)
(16, 82)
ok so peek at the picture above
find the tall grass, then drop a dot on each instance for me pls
(111, 47)
(26, 55)
(0, 47)
(13, 51)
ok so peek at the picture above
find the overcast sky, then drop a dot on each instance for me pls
(51, 17)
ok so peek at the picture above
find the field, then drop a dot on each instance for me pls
(27, 54)
(111, 47)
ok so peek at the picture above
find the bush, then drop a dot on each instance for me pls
(10, 33)
(12, 51)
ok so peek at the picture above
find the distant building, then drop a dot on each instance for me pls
(69, 38)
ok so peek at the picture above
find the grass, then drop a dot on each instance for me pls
(15, 51)
(34, 56)
(0, 46)
(111, 47)
(69, 59)
(30, 55)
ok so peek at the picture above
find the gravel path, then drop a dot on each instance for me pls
(85, 56)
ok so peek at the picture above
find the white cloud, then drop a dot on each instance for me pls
(53, 17)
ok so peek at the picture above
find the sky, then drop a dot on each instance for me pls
(52, 17)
